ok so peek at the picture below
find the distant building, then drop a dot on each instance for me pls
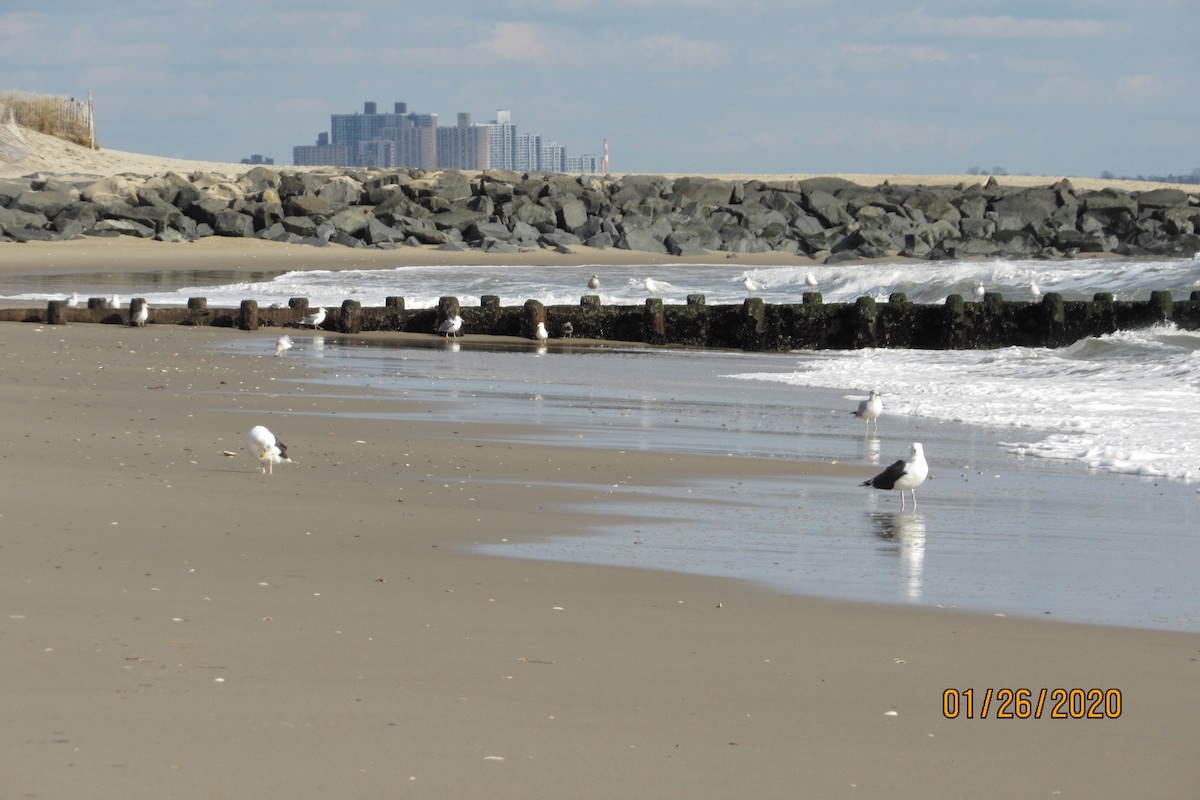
(322, 154)
(404, 139)
(258, 159)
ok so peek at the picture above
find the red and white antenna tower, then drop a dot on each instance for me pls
(604, 163)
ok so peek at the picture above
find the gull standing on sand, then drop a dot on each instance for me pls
(315, 319)
(904, 475)
(752, 285)
(282, 345)
(870, 409)
(541, 333)
(263, 445)
(141, 315)
(594, 282)
(451, 326)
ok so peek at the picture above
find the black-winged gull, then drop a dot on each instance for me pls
(904, 475)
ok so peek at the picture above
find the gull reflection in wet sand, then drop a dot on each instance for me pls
(907, 532)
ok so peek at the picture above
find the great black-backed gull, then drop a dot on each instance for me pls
(263, 445)
(904, 475)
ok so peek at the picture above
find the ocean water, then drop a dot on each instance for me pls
(1064, 481)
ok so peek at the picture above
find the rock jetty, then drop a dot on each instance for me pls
(496, 211)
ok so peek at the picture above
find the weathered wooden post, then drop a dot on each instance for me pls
(590, 300)
(1162, 306)
(866, 313)
(954, 323)
(56, 312)
(752, 325)
(894, 324)
(197, 311)
(350, 320)
(535, 312)
(248, 315)
(696, 300)
(1054, 320)
(395, 303)
(97, 302)
(489, 301)
(654, 321)
(447, 309)
(300, 304)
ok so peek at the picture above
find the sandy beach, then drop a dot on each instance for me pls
(176, 624)
(180, 625)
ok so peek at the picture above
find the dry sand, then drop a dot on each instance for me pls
(176, 624)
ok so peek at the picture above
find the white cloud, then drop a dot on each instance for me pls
(993, 27)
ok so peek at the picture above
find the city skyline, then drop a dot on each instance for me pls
(403, 138)
(1076, 87)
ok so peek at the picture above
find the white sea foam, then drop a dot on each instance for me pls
(1122, 403)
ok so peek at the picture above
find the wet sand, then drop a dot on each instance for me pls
(177, 624)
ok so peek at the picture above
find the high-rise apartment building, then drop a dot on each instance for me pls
(401, 138)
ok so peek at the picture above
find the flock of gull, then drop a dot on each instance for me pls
(905, 475)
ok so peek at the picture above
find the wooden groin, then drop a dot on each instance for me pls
(753, 325)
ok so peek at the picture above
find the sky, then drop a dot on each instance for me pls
(1052, 87)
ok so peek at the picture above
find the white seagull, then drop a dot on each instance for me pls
(541, 333)
(114, 301)
(870, 409)
(1034, 291)
(315, 319)
(594, 282)
(652, 287)
(451, 327)
(263, 445)
(141, 315)
(904, 475)
(810, 279)
(73, 300)
(979, 291)
(282, 345)
(752, 285)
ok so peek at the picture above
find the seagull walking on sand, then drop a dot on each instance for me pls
(263, 445)
(314, 320)
(141, 315)
(282, 345)
(870, 409)
(451, 326)
(752, 285)
(904, 476)
(541, 333)
(594, 282)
